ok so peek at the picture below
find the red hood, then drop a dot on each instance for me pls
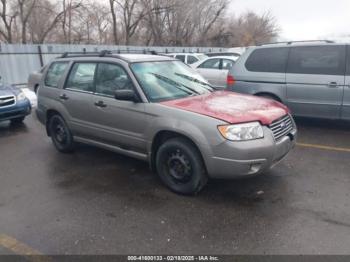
(232, 107)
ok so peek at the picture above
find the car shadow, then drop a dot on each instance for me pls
(9, 129)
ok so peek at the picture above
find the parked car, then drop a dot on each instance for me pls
(157, 109)
(34, 79)
(14, 105)
(188, 58)
(311, 78)
(215, 69)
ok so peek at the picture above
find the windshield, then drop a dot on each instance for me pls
(169, 80)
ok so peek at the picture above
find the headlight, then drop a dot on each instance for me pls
(21, 96)
(242, 132)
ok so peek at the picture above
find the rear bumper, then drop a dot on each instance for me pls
(250, 158)
(20, 109)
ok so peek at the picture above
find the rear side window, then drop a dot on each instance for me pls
(81, 77)
(273, 60)
(211, 64)
(322, 60)
(191, 59)
(181, 58)
(54, 73)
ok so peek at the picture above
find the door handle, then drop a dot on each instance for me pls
(333, 85)
(64, 97)
(100, 104)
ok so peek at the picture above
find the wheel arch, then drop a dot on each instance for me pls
(268, 94)
(49, 114)
(161, 137)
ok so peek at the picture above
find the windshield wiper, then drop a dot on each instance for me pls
(192, 79)
(189, 90)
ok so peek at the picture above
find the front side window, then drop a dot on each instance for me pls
(55, 73)
(169, 80)
(270, 60)
(111, 77)
(81, 77)
(211, 64)
(323, 60)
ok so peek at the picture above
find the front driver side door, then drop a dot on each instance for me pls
(120, 123)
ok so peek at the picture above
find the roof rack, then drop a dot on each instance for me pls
(104, 53)
(304, 41)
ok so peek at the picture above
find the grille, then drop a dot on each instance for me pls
(282, 127)
(7, 101)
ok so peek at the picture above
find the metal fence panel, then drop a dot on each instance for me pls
(17, 61)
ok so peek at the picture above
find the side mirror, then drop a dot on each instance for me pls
(126, 95)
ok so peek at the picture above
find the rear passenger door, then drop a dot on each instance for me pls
(76, 97)
(345, 114)
(315, 80)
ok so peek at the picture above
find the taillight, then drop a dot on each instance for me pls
(230, 80)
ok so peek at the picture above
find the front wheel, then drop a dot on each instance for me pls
(181, 167)
(60, 134)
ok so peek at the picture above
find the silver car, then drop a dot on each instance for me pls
(311, 78)
(188, 58)
(215, 69)
(157, 109)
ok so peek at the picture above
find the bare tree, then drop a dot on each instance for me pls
(148, 22)
(253, 29)
(7, 16)
(25, 10)
(114, 21)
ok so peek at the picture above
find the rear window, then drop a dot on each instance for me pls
(191, 59)
(273, 60)
(55, 73)
(322, 60)
(181, 58)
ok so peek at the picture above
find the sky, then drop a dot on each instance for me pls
(303, 19)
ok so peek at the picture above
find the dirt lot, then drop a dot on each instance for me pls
(98, 202)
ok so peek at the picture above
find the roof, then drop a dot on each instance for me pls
(222, 57)
(301, 43)
(131, 58)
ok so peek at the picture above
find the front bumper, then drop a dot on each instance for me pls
(20, 109)
(249, 158)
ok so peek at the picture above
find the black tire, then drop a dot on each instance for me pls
(180, 166)
(17, 121)
(60, 134)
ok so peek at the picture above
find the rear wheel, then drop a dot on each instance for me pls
(60, 134)
(180, 166)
